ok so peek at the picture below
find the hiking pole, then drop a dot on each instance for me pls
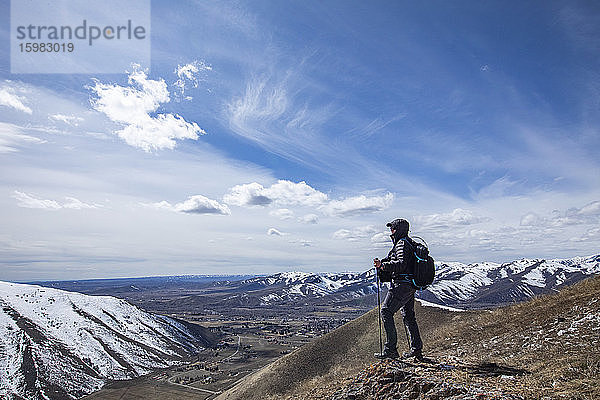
(407, 337)
(378, 311)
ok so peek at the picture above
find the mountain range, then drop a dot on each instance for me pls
(457, 284)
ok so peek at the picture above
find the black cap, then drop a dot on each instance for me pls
(399, 224)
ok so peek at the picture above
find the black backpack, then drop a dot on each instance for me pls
(423, 268)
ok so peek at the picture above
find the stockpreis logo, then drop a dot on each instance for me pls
(71, 36)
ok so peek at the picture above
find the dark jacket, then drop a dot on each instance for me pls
(400, 257)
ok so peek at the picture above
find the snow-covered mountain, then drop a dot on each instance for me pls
(57, 344)
(291, 286)
(488, 283)
(456, 284)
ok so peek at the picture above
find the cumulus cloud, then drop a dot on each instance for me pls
(455, 218)
(251, 194)
(28, 201)
(9, 98)
(356, 233)
(197, 204)
(287, 193)
(282, 213)
(189, 75)
(358, 205)
(274, 232)
(283, 193)
(132, 106)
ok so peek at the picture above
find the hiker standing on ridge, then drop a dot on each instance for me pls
(401, 295)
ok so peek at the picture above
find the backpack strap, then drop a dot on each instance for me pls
(408, 240)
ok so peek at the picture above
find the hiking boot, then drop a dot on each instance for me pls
(413, 354)
(385, 354)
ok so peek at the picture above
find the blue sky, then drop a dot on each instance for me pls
(268, 136)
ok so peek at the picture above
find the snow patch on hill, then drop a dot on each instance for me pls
(53, 340)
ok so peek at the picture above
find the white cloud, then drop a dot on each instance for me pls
(286, 192)
(356, 233)
(381, 239)
(309, 219)
(131, 107)
(591, 209)
(28, 201)
(11, 138)
(9, 98)
(282, 213)
(531, 219)
(67, 119)
(275, 232)
(260, 102)
(76, 204)
(457, 217)
(499, 188)
(189, 73)
(358, 205)
(283, 193)
(251, 194)
(588, 214)
(197, 204)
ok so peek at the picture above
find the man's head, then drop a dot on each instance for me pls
(400, 226)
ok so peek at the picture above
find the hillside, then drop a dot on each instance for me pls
(61, 345)
(336, 355)
(543, 348)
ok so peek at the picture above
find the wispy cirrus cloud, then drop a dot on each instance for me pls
(12, 138)
(275, 112)
(133, 107)
(10, 98)
(197, 204)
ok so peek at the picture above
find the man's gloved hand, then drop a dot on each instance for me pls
(377, 263)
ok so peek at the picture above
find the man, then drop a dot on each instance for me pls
(401, 295)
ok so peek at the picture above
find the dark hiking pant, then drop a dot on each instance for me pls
(400, 296)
